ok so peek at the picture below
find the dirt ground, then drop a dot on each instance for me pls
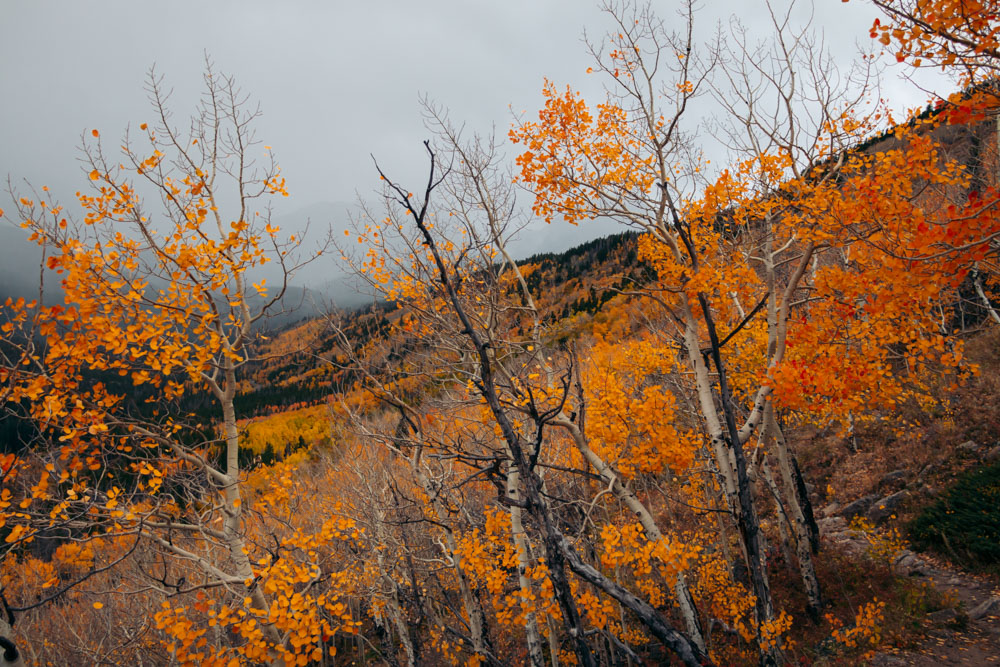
(969, 636)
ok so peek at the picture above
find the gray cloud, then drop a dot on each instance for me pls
(337, 80)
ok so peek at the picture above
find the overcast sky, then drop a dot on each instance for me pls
(336, 80)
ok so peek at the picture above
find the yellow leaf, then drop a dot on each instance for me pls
(98, 605)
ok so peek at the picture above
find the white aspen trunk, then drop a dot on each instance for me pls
(684, 601)
(784, 525)
(553, 642)
(469, 603)
(996, 146)
(977, 281)
(703, 384)
(534, 640)
(395, 609)
(399, 620)
(521, 544)
(776, 332)
(720, 518)
(803, 546)
(234, 511)
(717, 442)
(732, 462)
(852, 438)
(11, 655)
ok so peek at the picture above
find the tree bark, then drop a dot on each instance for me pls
(11, 655)
(683, 647)
(784, 524)
(803, 534)
(612, 477)
(747, 520)
(535, 653)
(977, 281)
(558, 551)
(232, 528)
(469, 602)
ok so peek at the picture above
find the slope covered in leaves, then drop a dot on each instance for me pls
(570, 288)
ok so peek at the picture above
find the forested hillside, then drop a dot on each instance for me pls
(579, 281)
(760, 425)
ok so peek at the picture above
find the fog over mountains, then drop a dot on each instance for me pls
(486, 62)
(324, 283)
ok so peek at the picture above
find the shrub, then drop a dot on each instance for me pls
(965, 522)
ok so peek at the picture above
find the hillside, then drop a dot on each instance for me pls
(759, 425)
(571, 287)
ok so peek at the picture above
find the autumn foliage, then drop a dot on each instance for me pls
(492, 469)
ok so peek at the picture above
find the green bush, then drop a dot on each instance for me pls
(964, 523)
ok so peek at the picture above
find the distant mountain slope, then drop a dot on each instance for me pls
(565, 285)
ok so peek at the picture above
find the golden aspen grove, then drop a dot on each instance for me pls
(760, 424)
